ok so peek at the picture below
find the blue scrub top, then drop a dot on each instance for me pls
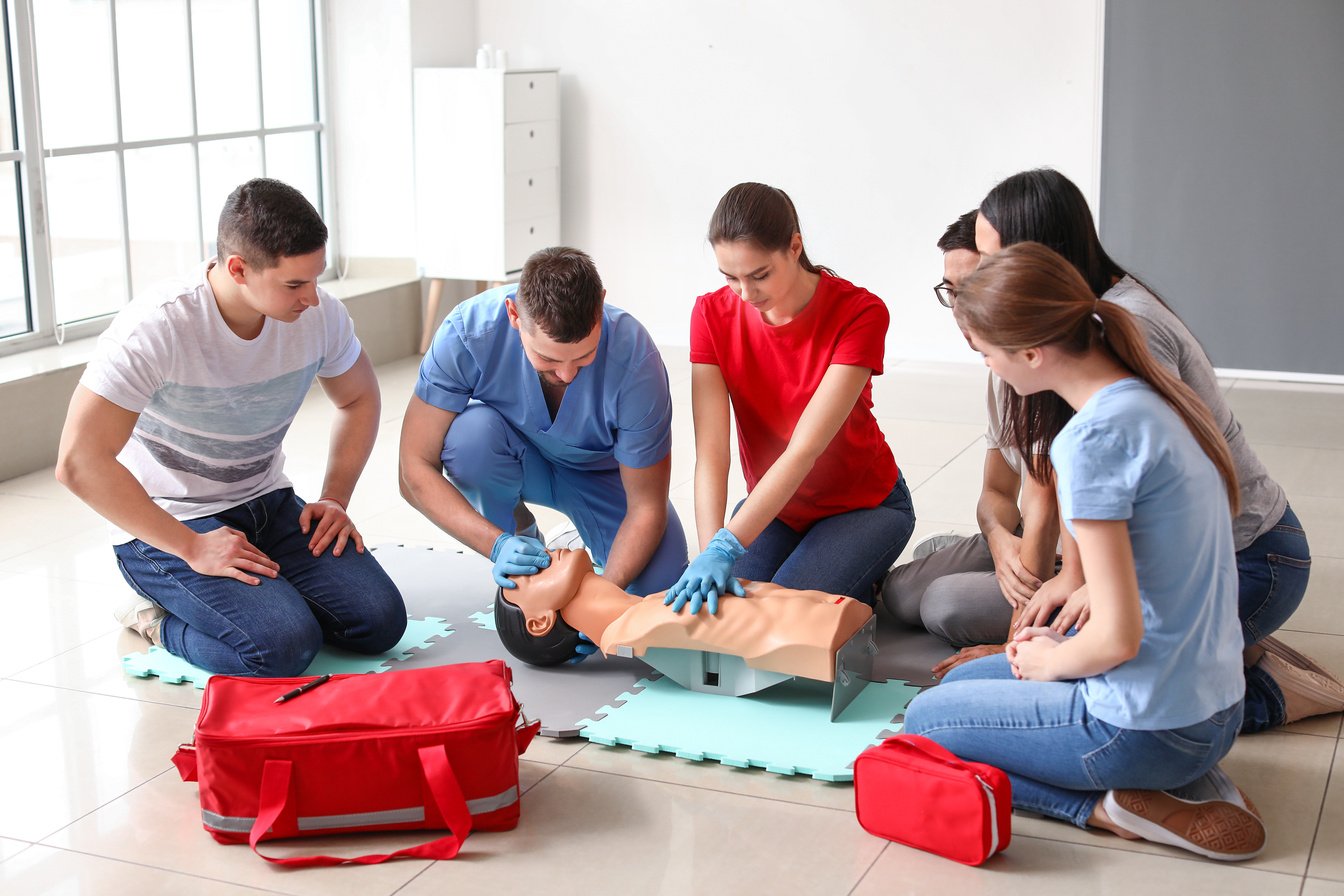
(618, 409)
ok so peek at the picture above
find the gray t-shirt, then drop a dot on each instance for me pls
(1262, 499)
(995, 401)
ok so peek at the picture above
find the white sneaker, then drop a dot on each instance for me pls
(931, 543)
(564, 536)
(142, 616)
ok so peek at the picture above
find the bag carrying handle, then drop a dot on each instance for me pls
(275, 777)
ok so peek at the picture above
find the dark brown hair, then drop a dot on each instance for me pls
(759, 214)
(1028, 295)
(265, 220)
(561, 292)
(960, 234)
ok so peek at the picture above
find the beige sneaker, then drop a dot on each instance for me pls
(1308, 690)
(1215, 829)
(142, 616)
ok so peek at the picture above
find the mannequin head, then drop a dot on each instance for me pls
(528, 617)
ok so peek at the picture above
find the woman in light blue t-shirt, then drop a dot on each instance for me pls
(1121, 725)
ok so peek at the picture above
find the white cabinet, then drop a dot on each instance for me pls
(487, 170)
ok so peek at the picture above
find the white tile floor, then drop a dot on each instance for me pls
(89, 802)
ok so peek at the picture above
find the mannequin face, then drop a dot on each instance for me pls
(543, 597)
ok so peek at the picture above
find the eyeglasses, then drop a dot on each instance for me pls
(945, 293)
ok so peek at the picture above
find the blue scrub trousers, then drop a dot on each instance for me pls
(494, 465)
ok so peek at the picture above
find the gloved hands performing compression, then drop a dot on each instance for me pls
(708, 576)
(517, 555)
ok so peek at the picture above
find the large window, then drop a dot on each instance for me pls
(126, 124)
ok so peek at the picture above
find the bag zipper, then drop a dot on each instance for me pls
(993, 816)
(205, 739)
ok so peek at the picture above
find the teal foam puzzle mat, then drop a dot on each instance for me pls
(786, 729)
(421, 634)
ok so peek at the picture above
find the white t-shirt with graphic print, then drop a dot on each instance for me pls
(214, 408)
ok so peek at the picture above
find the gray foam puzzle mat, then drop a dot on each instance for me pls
(452, 588)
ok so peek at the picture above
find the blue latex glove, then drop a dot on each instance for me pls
(708, 576)
(517, 555)
(584, 649)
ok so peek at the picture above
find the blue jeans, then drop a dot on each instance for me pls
(493, 465)
(847, 553)
(1060, 757)
(276, 628)
(1272, 572)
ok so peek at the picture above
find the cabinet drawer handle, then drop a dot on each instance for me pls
(531, 230)
(529, 181)
(531, 134)
(529, 85)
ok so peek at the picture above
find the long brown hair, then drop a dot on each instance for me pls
(1028, 295)
(759, 214)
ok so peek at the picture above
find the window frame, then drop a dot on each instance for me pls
(35, 236)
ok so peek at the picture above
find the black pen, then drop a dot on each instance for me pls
(303, 688)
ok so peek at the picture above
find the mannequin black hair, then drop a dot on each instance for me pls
(550, 649)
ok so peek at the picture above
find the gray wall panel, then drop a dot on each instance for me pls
(1222, 171)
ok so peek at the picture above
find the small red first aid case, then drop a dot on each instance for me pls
(428, 748)
(912, 790)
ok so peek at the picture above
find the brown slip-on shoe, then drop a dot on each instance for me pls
(1215, 829)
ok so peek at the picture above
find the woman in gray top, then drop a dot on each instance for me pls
(1273, 558)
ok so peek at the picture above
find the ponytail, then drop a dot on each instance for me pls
(1123, 337)
(1028, 295)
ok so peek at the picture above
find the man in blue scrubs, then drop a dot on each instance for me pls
(541, 392)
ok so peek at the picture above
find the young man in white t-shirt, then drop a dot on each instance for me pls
(174, 435)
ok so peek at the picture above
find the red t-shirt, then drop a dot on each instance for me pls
(772, 373)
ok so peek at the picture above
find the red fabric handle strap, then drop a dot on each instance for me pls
(275, 778)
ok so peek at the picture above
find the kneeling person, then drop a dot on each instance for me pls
(174, 436)
(541, 392)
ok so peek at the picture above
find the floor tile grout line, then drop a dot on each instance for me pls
(68, 689)
(770, 799)
(1320, 812)
(869, 870)
(101, 806)
(161, 869)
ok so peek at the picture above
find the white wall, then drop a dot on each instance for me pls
(882, 120)
(371, 48)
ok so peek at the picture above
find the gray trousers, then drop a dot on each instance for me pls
(953, 593)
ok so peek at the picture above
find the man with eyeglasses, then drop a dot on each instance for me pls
(967, 590)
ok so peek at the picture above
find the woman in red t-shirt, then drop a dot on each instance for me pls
(794, 348)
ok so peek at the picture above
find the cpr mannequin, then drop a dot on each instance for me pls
(772, 628)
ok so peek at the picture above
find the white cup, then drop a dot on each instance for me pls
(501, 58)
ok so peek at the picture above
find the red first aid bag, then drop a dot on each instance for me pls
(913, 791)
(430, 748)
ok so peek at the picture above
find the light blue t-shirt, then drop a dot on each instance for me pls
(618, 409)
(1126, 455)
